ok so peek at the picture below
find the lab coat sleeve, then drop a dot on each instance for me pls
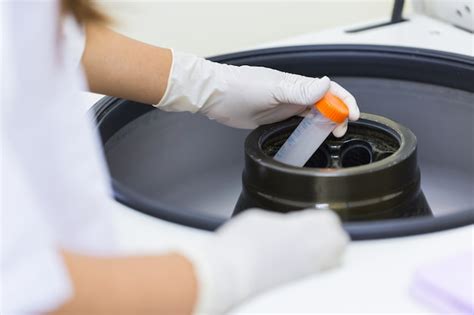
(34, 278)
(57, 191)
(52, 137)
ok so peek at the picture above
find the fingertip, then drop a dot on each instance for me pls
(335, 88)
(320, 88)
(326, 81)
(340, 130)
(348, 98)
(354, 114)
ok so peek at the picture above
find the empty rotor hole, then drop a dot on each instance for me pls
(356, 153)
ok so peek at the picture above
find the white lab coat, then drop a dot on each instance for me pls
(55, 191)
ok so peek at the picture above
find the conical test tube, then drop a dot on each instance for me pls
(317, 125)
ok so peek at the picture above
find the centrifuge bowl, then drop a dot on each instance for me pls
(187, 169)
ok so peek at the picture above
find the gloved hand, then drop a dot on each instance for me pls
(245, 97)
(258, 250)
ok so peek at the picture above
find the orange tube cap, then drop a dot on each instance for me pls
(333, 108)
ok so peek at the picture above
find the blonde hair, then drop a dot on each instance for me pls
(83, 11)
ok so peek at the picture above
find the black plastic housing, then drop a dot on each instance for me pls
(370, 174)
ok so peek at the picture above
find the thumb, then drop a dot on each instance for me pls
(301, 90)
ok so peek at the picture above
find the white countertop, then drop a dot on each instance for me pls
(419, 31)
(375, 276)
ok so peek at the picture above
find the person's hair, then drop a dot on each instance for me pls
(83, 11)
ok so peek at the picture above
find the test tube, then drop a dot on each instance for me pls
(317, 125)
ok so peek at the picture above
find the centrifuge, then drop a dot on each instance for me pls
(416, 70)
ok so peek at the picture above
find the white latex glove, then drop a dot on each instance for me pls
(259, 250)
(245, 97)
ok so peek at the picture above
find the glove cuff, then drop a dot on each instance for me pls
(189, 84)
(213, 294)
(165, 97)
(216, 280)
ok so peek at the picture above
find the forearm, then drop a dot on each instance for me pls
(120, 66)
(130, 285)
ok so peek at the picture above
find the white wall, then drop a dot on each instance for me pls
(212, 27)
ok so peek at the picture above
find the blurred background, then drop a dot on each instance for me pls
(208, 28)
